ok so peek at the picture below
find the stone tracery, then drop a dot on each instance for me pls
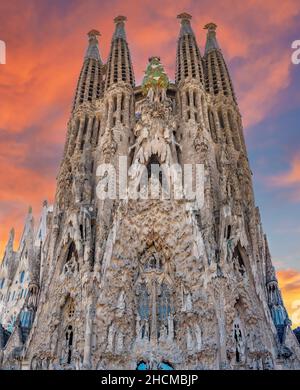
(151, 283)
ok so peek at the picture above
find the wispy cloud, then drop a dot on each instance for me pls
(44, 61)
(289, 179)
(289, 281)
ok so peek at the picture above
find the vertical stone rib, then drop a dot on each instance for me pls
(119, 66)
(218, 80)
(89, 87)
(189, 63)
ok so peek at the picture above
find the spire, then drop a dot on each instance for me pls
(10, 244)
(120, 28)
(270, 270)
(186, 27)
(92, 50)
(89, 87)
(211, 40)
(188, 59)
(279, 314)
(217, 80)
(12, 234)
(119, 66)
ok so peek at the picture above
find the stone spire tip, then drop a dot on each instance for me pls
(120, 27)
(92, 50)
(211, 41)
(185, 20)
(120, 19)
(210, 26)
(184, 16)
(93, 33)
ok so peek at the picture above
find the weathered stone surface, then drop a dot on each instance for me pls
(118, 283)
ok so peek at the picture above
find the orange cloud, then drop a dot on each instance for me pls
(289, 179)
(44, 60)
(289, 282)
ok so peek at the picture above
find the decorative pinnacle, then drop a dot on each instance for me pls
(12, 233)
(93, 34)
(211, 41)
(120, 30)
(210, 26)
(186, 28)
(120, 19)
(184, 16)
(92, 51)
(154, 58)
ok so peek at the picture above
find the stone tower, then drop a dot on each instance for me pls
(143, 268)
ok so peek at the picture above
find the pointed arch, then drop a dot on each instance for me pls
(221, 119)
(165, 307)
(155, 306)
(212, 124)
(67, 333)
(233, 129)
(143, 302)
(70, 263)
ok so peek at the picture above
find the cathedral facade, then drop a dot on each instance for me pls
(129, 281)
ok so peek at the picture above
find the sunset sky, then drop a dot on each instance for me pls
(46, 41)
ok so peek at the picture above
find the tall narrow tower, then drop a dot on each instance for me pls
(155, 257)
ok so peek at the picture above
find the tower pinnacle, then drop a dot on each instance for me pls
(92, 50)
(188, 53)
(89, 85)
(185, 24)
(211, 41)
(119, 66)
(120, 27)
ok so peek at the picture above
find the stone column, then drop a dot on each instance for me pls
(118, 113)
(126, 114)
(227, 127)
(88, 334)
(80, 132)
(192, 104)
(184, 105)
(110, 113)
(154, 314)
(219, 306)
(89, 130)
